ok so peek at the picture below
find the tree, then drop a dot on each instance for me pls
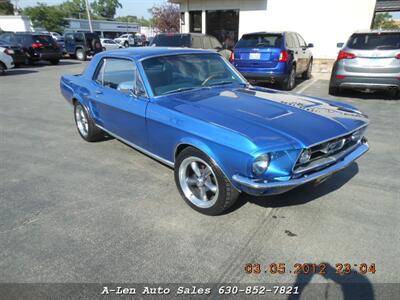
(134, 19)
(384, 20)
(166, 17)
(74, 9)
(6, 8)
(106, 8)
(50, 18)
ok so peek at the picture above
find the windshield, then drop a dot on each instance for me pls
(175, 73)
(260, 41)
(375, 41)
(172, 40)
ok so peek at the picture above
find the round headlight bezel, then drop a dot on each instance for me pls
(305, 156)
(260, 164)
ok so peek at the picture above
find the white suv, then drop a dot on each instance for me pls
(6, 60)
(126, 40)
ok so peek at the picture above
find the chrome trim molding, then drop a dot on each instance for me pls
(156, 157)
(253, 184)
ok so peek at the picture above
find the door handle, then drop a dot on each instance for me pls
(99, 92)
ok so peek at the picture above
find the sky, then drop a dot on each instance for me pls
(129, 7)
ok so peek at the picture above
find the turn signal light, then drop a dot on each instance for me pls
(284, 56)
(346, 55)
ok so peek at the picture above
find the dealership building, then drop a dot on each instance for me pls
(321, 22)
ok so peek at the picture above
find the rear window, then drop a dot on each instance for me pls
(374, 41)
(43, 39)
(260, 41)
(173, 40)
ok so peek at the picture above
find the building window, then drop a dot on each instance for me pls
(195, 21)
(387, 19)
(224, 25)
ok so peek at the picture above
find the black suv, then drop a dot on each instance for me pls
(82, 44)
(37, 46)
(190, 40)
(15, 51)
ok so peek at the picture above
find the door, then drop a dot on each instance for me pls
(119, 100)
(69, 43)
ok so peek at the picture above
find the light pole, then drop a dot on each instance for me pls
(88, 14)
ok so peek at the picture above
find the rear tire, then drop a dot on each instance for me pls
(81, 55)
(290, 81)
(203, 187)
(86, 127)
(55, 62)
(333, 90)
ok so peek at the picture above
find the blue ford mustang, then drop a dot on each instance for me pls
(191, 110)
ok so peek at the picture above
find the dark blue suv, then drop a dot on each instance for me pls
(273, 57)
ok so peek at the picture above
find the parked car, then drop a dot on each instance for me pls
(191, 110)
(190, 40)
(273, 57)
(37, 46)
(6, 60)
(15, 51)
(126, 40)
(109, 44)
(82, 44)
(369, 61)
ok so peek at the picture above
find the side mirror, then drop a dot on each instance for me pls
(310, 45)
(340, 45)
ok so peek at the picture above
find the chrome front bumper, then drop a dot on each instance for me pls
(257, 187)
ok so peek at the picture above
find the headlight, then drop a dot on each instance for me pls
(305, 156)
(260, 165)
(357, 135)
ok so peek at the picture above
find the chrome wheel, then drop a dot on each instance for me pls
(198, 182)
(80, 55)
(81, 121)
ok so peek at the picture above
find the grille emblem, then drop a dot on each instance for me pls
(334, 146)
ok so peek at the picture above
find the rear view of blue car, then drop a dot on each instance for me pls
(273, 57)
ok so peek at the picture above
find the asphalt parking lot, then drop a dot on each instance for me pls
(72, 211)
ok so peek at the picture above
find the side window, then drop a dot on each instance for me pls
(301, 41)
(289, 41)
(69, 37)
(79, 38)
(121, 75)
(215, 43)
(196, 43)
(207, 42)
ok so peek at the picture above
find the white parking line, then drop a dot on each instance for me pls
(306, 86)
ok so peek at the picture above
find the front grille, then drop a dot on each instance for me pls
(327, 153)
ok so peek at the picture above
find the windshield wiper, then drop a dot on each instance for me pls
(221, 82)
(179, 90)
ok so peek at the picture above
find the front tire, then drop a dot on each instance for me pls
(55, 62)
(126, 45)
(202, 184)
(2, 69)
(85, 125)
(308, 73)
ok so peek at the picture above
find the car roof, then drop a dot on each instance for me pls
(145, 52)
(383, 30)
(265, 32)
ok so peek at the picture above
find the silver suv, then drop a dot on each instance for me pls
(369, 61)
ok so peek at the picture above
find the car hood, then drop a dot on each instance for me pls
(269, 117)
